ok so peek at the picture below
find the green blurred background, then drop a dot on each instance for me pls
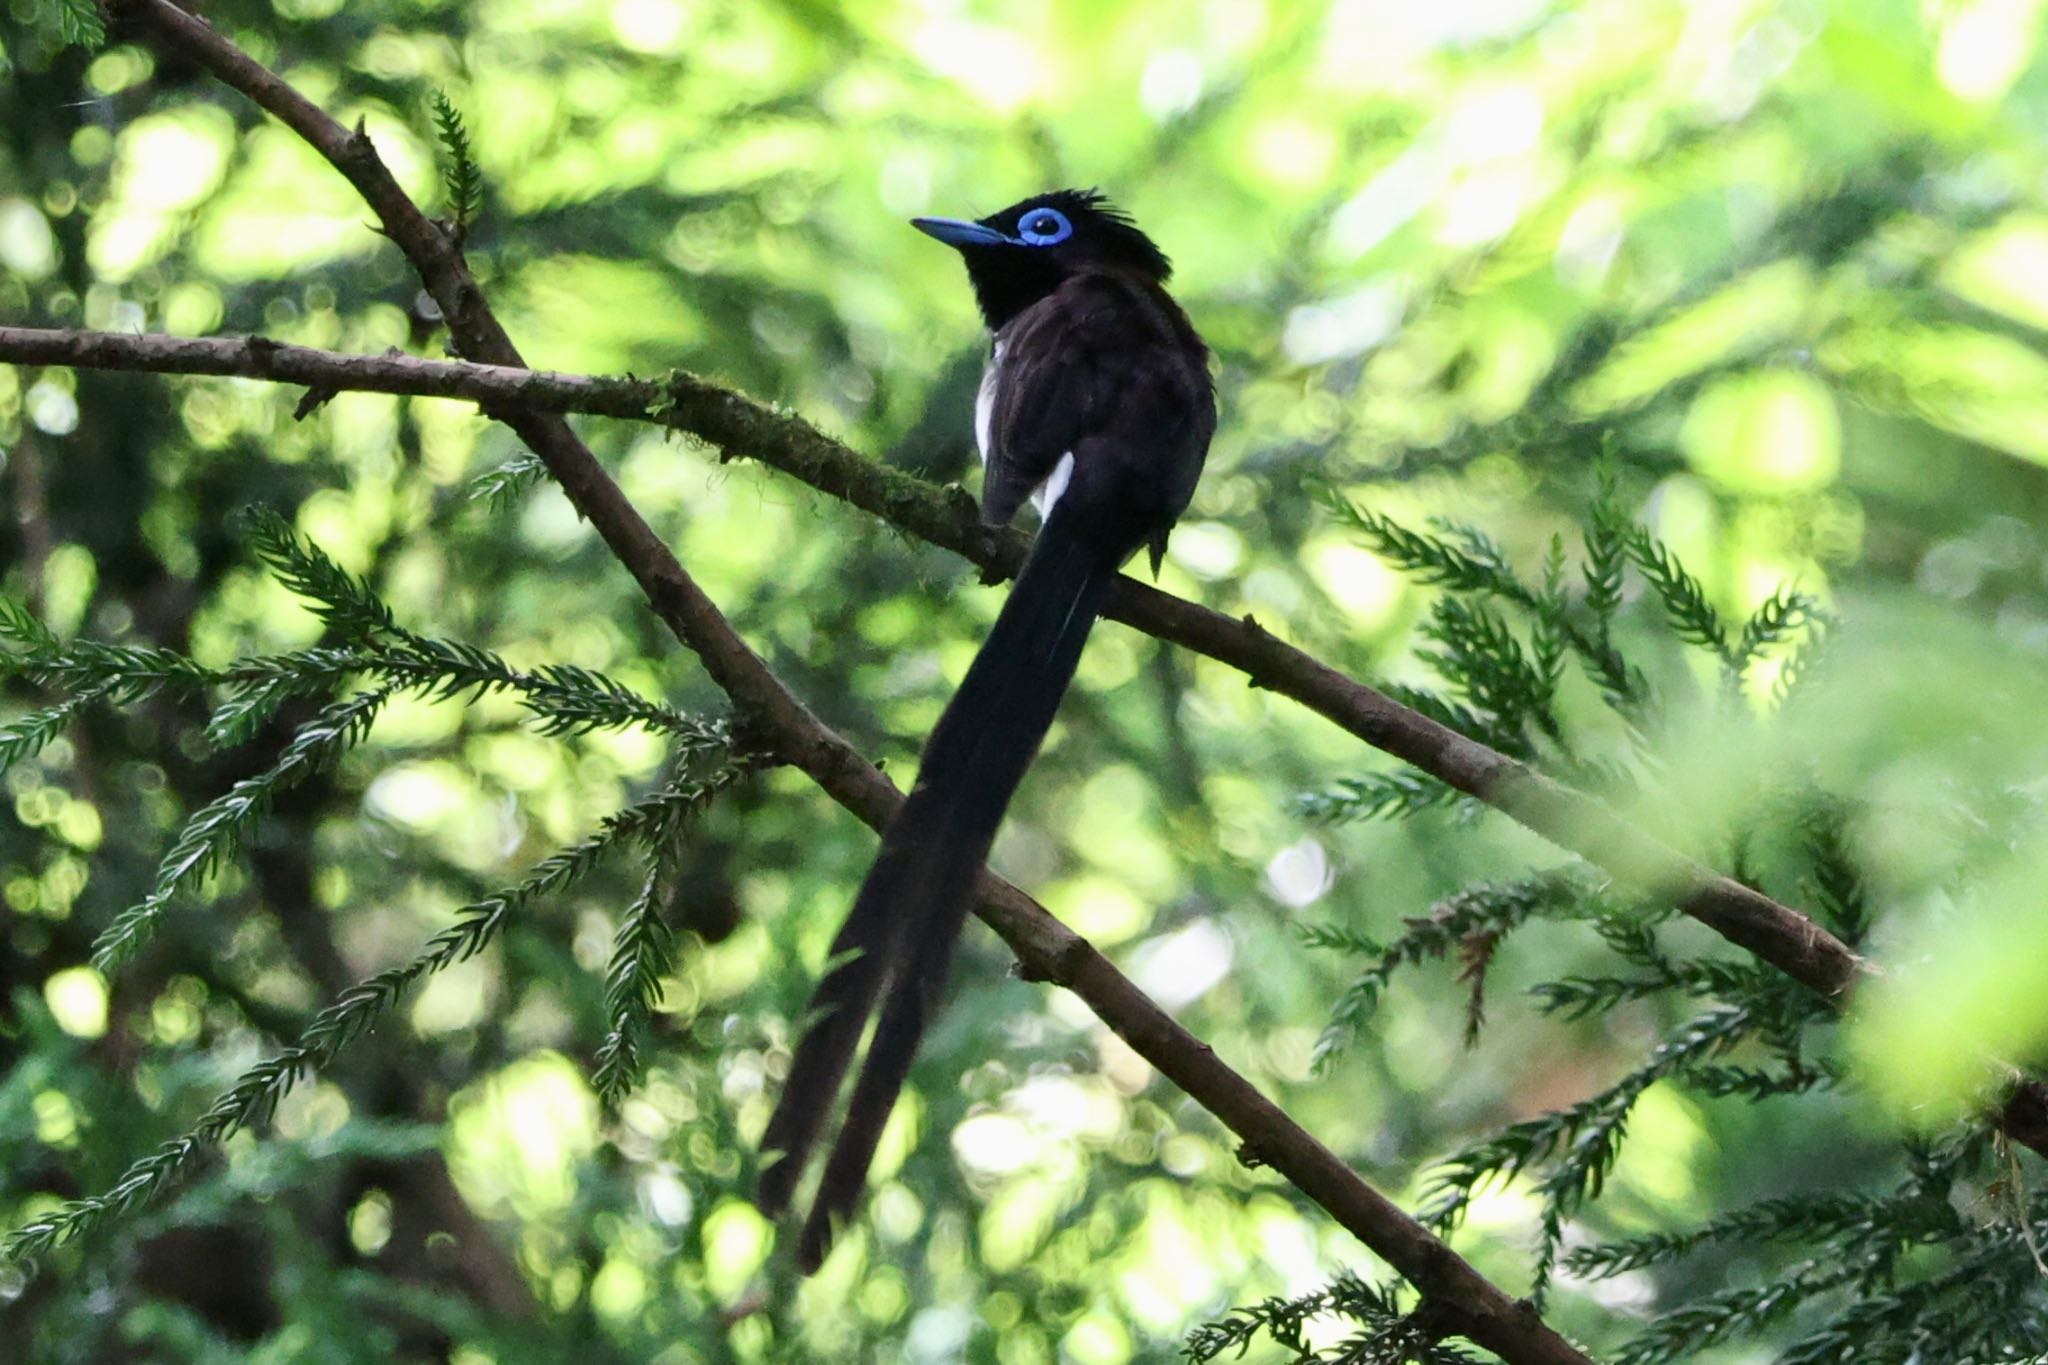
(1783, 265)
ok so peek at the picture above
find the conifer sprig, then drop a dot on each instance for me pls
(506, 483)
(253, 1099)
(365, 643)
(26, 736)
(1376, 796)
(641, 952)
(1492, 910)
(343, 601)
(74, 22)
(1389, 1335)
(1579, 1143)
(216, 832)
(460, 177)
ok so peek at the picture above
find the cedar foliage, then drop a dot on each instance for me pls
(365, 658)
(1894, 1273)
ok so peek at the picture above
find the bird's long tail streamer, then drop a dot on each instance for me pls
(897, 941)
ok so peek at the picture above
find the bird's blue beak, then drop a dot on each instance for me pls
(959, 232)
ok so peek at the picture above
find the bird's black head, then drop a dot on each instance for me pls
(1017, 257)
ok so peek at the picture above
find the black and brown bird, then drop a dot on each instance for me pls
(1097, 405)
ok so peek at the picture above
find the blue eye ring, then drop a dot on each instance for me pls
(1044, 227)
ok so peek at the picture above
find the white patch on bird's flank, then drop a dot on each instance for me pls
(985, 402)
(1048, 493)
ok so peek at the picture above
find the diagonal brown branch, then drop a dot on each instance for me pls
(741, 428)
(1463, 1299)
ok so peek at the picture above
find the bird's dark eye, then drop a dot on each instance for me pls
(1043, 227)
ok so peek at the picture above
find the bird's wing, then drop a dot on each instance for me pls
(1104, 368)
(1056, 380)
